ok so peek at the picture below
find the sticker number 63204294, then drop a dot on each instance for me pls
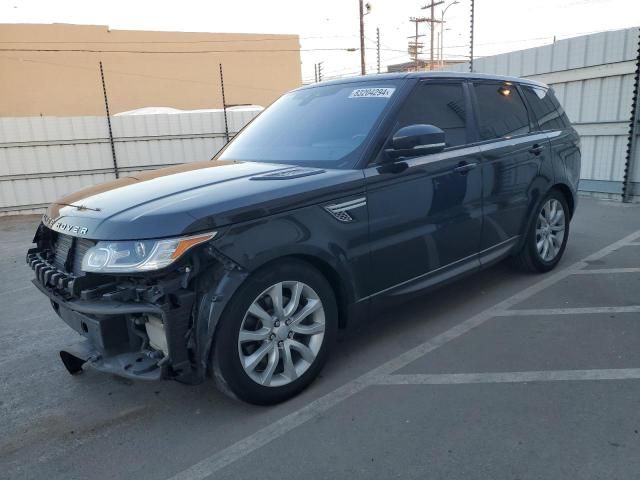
(373, 92)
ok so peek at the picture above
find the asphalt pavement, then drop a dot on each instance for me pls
(501, 375)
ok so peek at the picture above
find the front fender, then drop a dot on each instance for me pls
(216, 287)
(309, 232)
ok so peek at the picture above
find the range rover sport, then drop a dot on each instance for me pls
(339, 196)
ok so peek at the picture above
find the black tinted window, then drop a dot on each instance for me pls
(441, 105)
(501, 112)
(544, 108)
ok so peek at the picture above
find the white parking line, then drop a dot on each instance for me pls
(607, 271)
(568, 311)
(510, 377)
(247, 445)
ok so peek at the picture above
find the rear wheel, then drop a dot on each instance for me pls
(547, 237)
(274, 337)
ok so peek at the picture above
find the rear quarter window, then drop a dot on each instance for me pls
(545, 107)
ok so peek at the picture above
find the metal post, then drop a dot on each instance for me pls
(442, 37)
(363, 69)
(106, 106)
(471, 43)
(416, 45)
(320, 71)
(433, 27)
(378, 46)
(632, 142)
(224, 106)
(315, 72)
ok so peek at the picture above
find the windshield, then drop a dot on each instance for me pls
(323, 126)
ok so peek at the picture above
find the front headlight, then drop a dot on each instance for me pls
(138, 255)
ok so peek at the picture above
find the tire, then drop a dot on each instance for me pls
(530, 258)
(282, 350)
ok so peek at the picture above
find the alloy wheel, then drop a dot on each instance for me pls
(550, 230)
(281, 333)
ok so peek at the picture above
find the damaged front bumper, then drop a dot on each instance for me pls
(131, 327)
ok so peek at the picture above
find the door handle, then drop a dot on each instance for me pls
(464, 167)
(536, 149)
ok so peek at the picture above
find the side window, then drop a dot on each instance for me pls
(501, 111)
(544, 107)
(441, 105)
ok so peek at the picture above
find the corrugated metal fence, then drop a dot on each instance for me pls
(43, 158)
(593, 77)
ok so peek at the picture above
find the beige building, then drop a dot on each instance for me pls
(53, 69)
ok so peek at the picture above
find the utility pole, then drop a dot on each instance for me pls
(415, 47)
(363, 70)
(432, 21)
(378, 46)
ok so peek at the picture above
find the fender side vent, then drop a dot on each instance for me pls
(340, 211)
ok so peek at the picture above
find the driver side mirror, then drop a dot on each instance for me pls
(416, 140)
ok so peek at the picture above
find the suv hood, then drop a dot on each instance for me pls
(192, 198)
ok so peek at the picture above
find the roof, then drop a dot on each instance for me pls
(436, 74)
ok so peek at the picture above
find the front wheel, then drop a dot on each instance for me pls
(547, 237)
(274, 336)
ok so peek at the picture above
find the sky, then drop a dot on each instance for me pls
(500, 25)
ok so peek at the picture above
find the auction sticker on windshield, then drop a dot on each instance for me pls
(372, 92)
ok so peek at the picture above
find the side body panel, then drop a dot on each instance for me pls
(424, 216)
(310, 231)
(514, 180)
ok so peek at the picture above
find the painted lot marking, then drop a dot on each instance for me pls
(607, 271)
(511, 377)
(219, 460)
(568, 311)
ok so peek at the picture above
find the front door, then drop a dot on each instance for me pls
(425, 213)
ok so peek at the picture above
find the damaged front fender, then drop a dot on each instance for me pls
(215, 291)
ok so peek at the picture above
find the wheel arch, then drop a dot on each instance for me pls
(536, 203)
(568, 195)
(344, 295)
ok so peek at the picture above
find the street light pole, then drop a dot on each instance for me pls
(442, 31)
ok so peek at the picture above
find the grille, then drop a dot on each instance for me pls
(62, 244)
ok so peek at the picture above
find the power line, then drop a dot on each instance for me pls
(179, 42)
(87, 50)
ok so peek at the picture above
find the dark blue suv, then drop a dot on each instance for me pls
(339, 196)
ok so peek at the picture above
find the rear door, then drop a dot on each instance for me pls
(515, 165)
(563, 140)
(425, 212)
